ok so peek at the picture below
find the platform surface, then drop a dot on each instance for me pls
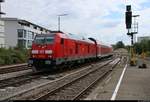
(135, 85)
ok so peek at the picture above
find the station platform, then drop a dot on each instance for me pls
(134, 84)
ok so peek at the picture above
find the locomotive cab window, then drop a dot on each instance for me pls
(49, 40)
(41, 39)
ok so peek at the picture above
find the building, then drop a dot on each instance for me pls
(20, 32)
(143, 38)
(2, 34)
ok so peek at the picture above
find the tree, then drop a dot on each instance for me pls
(114, 46)
(138, 48)
(119, 44)
(144, 45)
(148, 45)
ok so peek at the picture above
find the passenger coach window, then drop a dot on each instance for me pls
(62, 41)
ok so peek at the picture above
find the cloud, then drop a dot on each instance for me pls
(101, 19)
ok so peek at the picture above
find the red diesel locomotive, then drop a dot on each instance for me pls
(56, 48)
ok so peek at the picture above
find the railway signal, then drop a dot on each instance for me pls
(132, 30)
(1, 13)
(128, 17)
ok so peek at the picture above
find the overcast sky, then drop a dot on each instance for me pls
(101, 19)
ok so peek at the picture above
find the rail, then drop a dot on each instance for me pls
(13, 68)
(49, 86)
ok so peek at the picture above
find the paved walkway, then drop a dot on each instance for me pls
(135, 85)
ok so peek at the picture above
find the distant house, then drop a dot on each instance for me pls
(20, 32)
(143, 38)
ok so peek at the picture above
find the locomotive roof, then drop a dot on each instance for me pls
(74, 37)
(78, 37)
(68, 35)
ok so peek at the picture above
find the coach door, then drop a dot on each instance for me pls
(62, 46)
(65, 48)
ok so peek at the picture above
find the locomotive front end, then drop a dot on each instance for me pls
(42, 51)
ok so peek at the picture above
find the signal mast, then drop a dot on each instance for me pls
(132, 29)
(1, 13)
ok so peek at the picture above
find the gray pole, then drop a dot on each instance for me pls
(59, 20)
(0, 10)
(58, 23)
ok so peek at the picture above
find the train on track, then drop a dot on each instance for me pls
(58, 48)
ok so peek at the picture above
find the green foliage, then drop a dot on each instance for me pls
(138, 48)
(13, 56)
(118, 45)
(148, 54)
(2, 61)
(143, 46)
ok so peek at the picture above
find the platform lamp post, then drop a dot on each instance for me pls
(59, 16)
(1, 13)
(132, 30)
(94, 40)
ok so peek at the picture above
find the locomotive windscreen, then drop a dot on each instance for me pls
(44, 39)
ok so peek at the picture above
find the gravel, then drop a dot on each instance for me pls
(14, 74)
(48, 81)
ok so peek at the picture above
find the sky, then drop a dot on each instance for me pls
(103, 20)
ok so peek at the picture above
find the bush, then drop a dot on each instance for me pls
(142, 46)
(2, 61)
(13, 56)
(148, 54)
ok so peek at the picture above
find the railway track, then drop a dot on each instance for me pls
(76, 88)
(28, 77)
(18, 81)
(46, 91)
(13, 68)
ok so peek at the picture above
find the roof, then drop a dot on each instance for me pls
(57, 32)
(23, 21)
(71, 36)
(78, 37)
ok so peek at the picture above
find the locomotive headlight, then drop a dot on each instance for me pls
(34, 51)
(33, 56)
(48, 51)
(49, 56)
